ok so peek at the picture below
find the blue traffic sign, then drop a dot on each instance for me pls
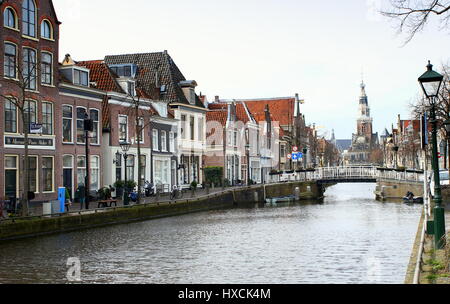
(297, 156)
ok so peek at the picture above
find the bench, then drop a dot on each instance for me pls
(104, 203)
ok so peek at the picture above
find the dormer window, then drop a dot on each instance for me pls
(188, 87)
(163, 89)
(80, 77)
(124, 70)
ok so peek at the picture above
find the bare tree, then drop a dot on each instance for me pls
(142, 112)
(422, 106)
(413, 16)
(23, 82)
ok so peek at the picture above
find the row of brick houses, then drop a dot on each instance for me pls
(180, 133)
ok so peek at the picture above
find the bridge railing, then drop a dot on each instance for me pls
(391, 174)
(351, 173)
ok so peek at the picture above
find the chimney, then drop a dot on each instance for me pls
(216, 99)
(297, 98)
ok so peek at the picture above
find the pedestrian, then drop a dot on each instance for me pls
(68, 202)
(81, 195)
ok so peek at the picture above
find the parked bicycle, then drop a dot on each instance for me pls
(176, 193)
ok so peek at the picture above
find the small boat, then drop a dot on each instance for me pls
(278, 200)
(414, 200)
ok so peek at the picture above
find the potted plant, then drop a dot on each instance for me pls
(119, 185)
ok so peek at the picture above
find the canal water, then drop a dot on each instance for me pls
(347, 238)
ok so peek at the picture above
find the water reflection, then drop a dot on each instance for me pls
(347, 238)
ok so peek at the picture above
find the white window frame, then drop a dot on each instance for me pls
(76, 124)
(53, 174)
(52, 116)
(96, 122)
(171, 142)
(71, 123)
(126, 128)
(163, 141)
(51, 69)
(142, 135)
(155, 140)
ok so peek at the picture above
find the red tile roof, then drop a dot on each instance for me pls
(217, 115)
(100, 73)
(282, 109)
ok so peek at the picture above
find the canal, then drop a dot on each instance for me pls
(347, 238)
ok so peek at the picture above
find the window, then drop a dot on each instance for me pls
(235, 138)
(118, 166)
(11, 176)
(130, 167)
(127, 70)
(10, 60)
(30, 113)
(46, 68)
(95, 173)
(192, 122)
(81, 170)
(141, 128)
(32, 171)
(163, 141)
(9, 18)
(47, 172)
(10, 117)
(81, 78)
(29, 18)
(123, 128)
(229, 139)
(183, 126)
(47, 118)
(155, 140)
(171, 142)
(131, 88)
(143, 164)
(95, 118)
(29, 68)
(67, 124)
(200, 129)
(282, 151)
(46, 30)
(81, 115)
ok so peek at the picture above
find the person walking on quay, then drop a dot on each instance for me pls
(68, 202)
(80, 195)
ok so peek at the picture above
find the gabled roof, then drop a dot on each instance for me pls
(101, 75)
(281, 109)
(105, 80)
(151, 65)
(217, 115)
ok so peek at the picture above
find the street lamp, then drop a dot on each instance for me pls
(125, 146)
(431, 83)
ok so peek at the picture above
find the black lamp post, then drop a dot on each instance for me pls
(88, 126)
(431, 82)
(125, 148)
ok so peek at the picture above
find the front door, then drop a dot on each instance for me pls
(67, 180)
(10, 183)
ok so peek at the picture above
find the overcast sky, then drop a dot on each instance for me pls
(267, 48)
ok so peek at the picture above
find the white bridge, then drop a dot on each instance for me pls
(350, 174)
